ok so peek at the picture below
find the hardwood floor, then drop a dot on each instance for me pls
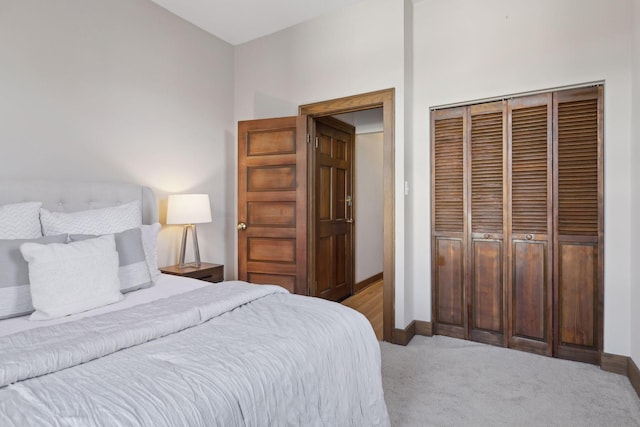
(369, 302)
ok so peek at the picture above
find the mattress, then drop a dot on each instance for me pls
(226, 354)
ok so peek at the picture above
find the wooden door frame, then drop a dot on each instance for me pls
(385, 100)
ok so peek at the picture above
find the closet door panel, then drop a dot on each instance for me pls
(529, 290)
(530, 222)
(579, 226)
(450, 281)
(448, 262)
(487, 144)
(487, 291)
(578, 293)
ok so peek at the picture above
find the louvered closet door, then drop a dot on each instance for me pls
(487, 143)
(579, 228)
(530, 224)
(447, 221)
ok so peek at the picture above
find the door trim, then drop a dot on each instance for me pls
(385, 99)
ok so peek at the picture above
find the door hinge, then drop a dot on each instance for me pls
(316, 142)
(308, 138)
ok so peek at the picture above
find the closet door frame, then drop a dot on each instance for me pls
(546, 338)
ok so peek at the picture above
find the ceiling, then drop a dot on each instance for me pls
(238, 21)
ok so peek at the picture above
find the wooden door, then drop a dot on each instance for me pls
(272, 202)
(487, 187)
(579, 226)
(448, 225)
(530, 223)
(333, 168)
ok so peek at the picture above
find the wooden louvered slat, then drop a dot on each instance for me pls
(529, 170)
(448, 185)
(578, 167)
(486, 173)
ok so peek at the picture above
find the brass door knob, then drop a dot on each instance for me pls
(242, 226)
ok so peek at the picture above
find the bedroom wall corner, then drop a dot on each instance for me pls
(415, 285)
(635, 189)
(120, 91)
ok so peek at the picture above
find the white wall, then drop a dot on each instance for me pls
(368, 197)
(466, 50)
(635, 190)
(119, 90)
(365, 121)
(357, 49)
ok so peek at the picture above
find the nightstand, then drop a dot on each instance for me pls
(213, 273)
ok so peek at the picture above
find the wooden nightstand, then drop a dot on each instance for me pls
(213, 273)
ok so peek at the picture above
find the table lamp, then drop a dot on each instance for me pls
(189, 210)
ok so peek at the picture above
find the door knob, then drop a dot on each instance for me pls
(242, 226)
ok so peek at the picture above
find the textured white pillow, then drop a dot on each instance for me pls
(150, 246)
(93, 221)
(71, 278)
(20, 221)
(134, 270)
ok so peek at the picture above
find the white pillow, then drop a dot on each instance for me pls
(150, 246)
(71, 278)
(93, 221)
(20, 221)
(134, 270)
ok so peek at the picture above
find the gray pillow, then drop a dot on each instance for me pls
(15, 292)
(134, 270)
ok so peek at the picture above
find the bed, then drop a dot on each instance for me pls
(184, 352)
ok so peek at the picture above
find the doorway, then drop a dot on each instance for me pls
(381, 99)
(367, 215)
(277, 204)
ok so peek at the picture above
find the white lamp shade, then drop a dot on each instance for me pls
(188, 209)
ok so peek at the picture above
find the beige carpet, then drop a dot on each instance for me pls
(442, 381)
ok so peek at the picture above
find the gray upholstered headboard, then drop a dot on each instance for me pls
(71, 196)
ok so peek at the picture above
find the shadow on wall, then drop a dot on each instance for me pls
(266, 106)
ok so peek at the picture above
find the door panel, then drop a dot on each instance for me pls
(578, 292)
(529, 290)
(325, 184)
(530, 223)
(272, 202)
(287, 282)
(334, 231)
(271, 178)
(271, 250)
(275, 214)
(448, 225)
(278, 141)
(487, 140)
(579, 228)
(449, 283)
(487, 289)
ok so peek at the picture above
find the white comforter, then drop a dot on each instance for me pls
(230, 354)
